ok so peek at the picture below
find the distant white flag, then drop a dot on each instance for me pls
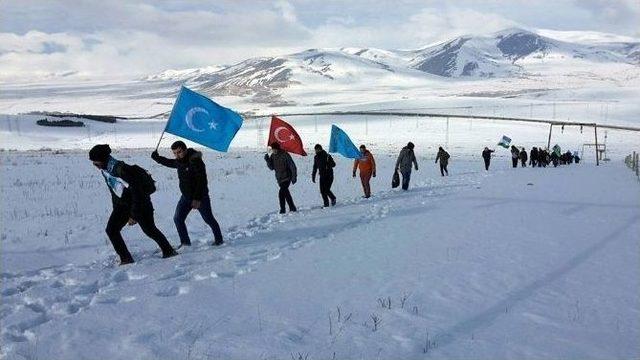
(505, 142)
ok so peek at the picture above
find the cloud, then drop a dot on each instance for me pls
(621, 15)
(138, 37)
(426, 26)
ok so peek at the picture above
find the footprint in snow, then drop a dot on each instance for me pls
(173, 291)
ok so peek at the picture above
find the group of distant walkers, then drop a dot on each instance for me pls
(539, 157)
(131, 186)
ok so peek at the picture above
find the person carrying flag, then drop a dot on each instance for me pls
(130, 187)
(192, 177)
(323, 164)
(286, 174)
(486, 155)
(367, 165)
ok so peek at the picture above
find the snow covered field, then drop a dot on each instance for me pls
(506, 264)
(513, 263)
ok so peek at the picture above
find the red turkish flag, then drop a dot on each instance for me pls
(285, 135)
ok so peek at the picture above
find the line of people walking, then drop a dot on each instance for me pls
(537, 157)
(131, 187)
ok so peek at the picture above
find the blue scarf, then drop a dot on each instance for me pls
(111, 165)
(115, 183)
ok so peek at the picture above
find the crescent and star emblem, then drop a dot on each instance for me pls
(276, 134)
(188, 119)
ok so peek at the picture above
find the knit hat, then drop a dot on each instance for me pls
(100, 153)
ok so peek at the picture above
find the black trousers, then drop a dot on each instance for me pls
(406, 178)
(118, 219)
(285, 196)
(487, 162)
(443, 168)
(523, 162)
(514, 162)
(325, 189)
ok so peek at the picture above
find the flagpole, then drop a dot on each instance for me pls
(161, 135)
(167, 124)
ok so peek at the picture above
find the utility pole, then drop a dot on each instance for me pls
(595, 130)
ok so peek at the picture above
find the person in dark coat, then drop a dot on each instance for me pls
(129, 186)
(515, 155)
(554, 158)
(443, 156)
(192, 179)
(323, 165)
(486, 155)
(533, 156)
(545, 158)
(542, 157)
(406, 158)
(523, 157)
(286, 174)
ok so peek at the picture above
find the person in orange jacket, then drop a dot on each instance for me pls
(367, 166)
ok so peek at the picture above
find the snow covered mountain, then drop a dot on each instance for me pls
(508, 53)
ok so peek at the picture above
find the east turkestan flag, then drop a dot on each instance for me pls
(285, 135)
(505, 141)
(341, 144)
(199, 119)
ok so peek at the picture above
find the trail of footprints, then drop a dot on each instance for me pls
(33, 298)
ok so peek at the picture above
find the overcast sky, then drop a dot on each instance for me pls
(132, 38)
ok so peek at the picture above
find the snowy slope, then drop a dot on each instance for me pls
(549, 66)
(509, 52)
(455, 268)
(183, 74)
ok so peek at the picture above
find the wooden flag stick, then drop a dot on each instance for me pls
(161, 135)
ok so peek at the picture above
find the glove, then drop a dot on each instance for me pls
(416, 168)
(154, 154)
(313, 179)
(266, 156)
(294, 180)
(374, 174)
(354, 174)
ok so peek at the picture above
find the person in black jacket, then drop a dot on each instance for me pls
(286, 174)
(486, 155)
(323, 164)
(443, 156)
(130, 195)
(192, 177)
(523, 157)
(533, 156)
(515, 155)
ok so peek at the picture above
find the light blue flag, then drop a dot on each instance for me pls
(199, 119)
(340, 143)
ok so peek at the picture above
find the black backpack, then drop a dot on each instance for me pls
(147, 183)
(330, 163)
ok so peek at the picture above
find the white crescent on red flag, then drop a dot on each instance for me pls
(285, 135)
